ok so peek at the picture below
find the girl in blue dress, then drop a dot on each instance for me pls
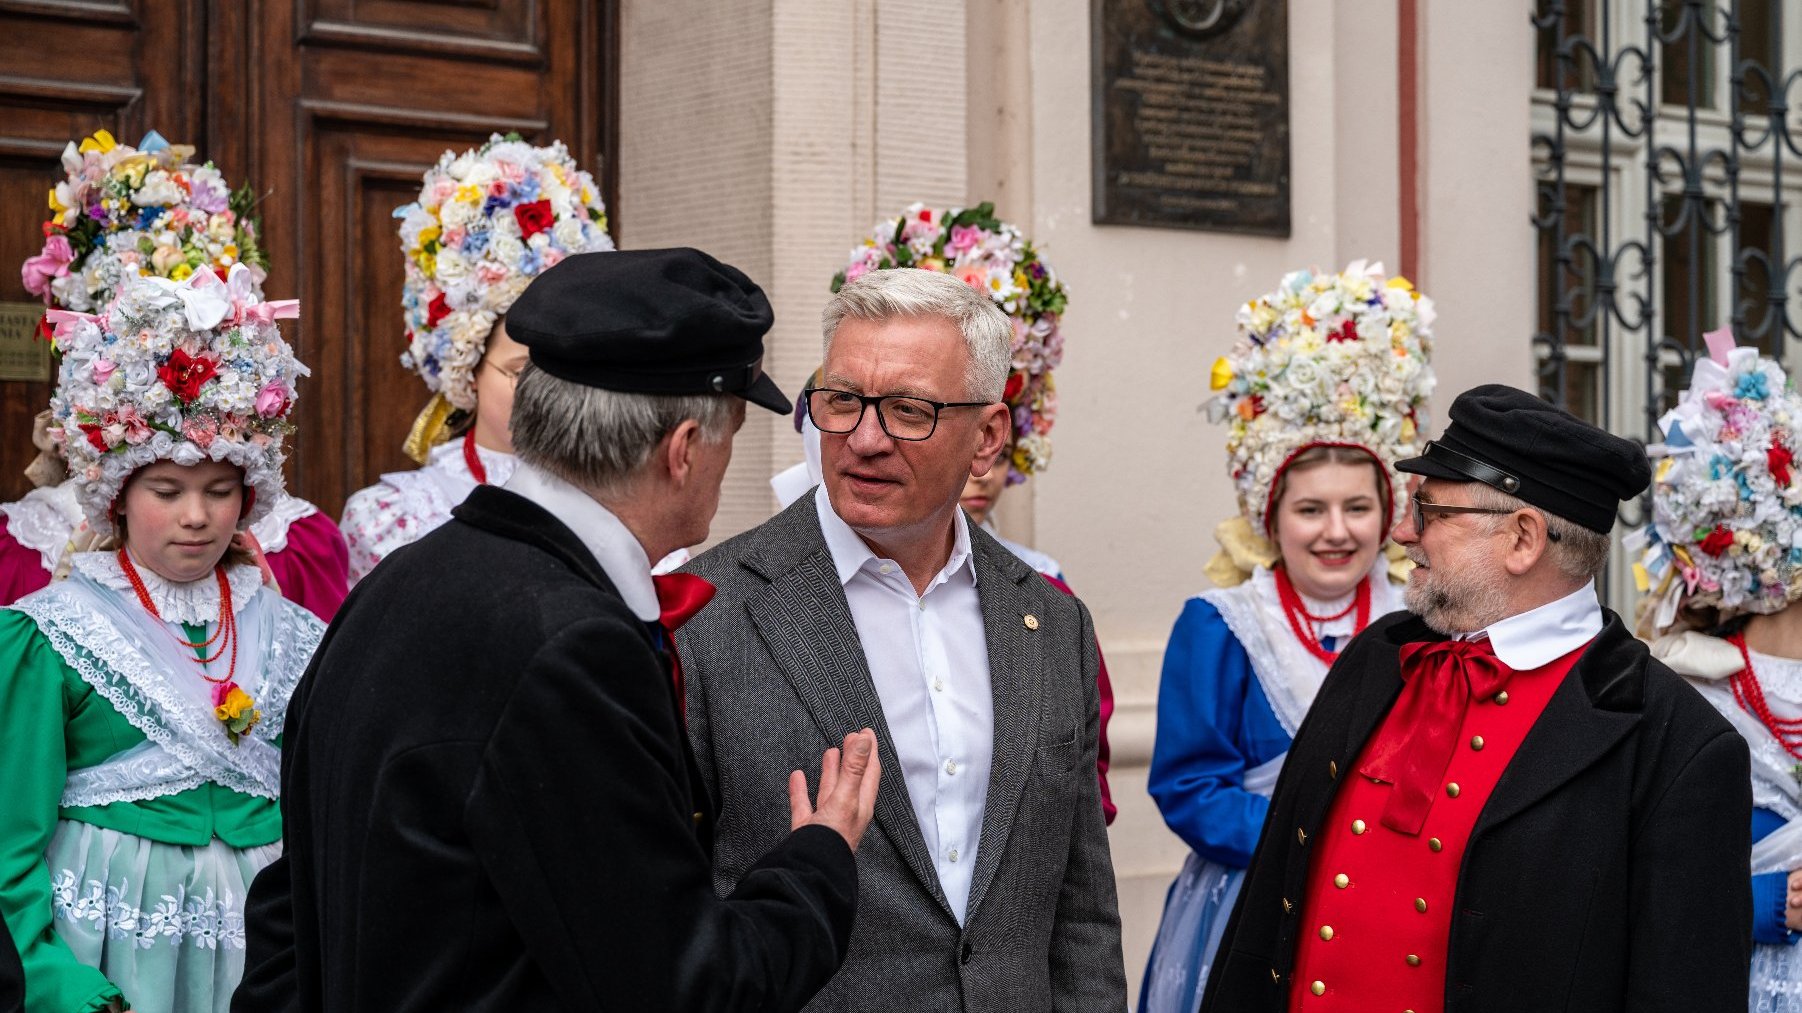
(1325, 390)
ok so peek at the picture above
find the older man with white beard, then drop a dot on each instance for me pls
(1499, 801)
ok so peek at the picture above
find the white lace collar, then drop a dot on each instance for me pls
(1780, 677)
(448, 456)
(196, 601)
(1382, 600)
(44, 520)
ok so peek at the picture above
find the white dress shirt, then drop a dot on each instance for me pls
(928, 655)
(1543, 635)
(612, 544)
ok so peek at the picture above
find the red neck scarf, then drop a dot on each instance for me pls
(1442, 679)
(679, 596)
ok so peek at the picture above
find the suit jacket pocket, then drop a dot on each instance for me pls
(1057, 760)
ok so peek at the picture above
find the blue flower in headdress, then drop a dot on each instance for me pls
(1752, 387)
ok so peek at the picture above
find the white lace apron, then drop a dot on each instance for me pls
(1775, 983)
(131, 660)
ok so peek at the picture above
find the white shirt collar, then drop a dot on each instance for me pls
(850, 553)
(1540, 636)
(607, 538)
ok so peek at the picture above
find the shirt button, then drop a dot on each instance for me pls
(938, 685)
(951, 766)
(885, 568)
(952, 856)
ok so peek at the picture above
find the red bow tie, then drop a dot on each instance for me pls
(679, 597)
(1441, 680)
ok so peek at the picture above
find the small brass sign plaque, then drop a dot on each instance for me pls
(23, 355)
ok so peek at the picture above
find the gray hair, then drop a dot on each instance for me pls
(599, 439)
(913, 292)
(1580, 553)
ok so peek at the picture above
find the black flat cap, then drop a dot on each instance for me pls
(649, 322)
(1540, 454)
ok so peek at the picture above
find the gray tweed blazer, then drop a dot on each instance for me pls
(776, 673)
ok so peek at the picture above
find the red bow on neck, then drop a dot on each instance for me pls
(1441, 680)
(679, 597)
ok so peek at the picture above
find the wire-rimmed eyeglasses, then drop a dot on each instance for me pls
(901, 416)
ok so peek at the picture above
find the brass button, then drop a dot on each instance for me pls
(1502, 698)
(1332, 769)
(1301, 836)
(1413, 960)
(1287, 907)
(1318, 988)
(1326, 932)
(1032, 621)
(1420, 904)
(1476, 742)
(698, 819)
(1452, 789)
(1342, 881)
(1357, 826)
(1435, 844)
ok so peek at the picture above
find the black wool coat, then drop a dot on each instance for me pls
(1607, 872)
(489, 804)
(12, 974)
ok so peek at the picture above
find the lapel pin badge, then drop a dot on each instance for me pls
(1032, 621)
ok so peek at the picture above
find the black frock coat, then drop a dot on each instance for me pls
(489, 804)
(12, 974)
(1608, 871)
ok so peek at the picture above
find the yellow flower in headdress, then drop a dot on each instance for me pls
(101, 142)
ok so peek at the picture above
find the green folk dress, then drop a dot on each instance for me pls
(130, 824)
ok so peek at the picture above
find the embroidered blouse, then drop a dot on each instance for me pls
(405, 505)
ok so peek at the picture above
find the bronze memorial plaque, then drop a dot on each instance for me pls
(1191, 114)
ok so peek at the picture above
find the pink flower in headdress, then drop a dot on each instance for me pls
(201, 430)
(964, 238)
(974, 276)
(272, 400)
(103, 370)
(53, 263)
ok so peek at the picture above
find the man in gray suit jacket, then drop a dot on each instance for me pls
(874, 603)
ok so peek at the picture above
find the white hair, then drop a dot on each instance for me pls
(599, 439)
(914, 292)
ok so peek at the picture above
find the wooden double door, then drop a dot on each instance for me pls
(331, 110)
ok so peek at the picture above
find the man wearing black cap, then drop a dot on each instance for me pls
(488, 799)
(1499, 801)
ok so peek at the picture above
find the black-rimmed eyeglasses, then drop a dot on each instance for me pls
(901, 417)
(1418, 511)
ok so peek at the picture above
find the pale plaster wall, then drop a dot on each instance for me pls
(774, 133)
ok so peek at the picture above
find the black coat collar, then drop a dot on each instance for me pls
(512, 516)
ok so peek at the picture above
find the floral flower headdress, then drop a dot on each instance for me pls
(185, 371)
(993, 256)
(124, 212)
(1726, 527)
(485, 224)
(1328, 359)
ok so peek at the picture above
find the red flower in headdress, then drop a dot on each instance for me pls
(1778, 459)
(1718, 541)
(534, 218)
(436, 310)
(185, 374)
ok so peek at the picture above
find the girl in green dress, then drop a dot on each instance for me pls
(142, 698)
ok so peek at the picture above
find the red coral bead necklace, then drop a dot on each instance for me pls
(227, 627)
(1748, 692)
(472, 459)
(1306, 624)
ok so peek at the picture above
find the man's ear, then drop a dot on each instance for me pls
(1529, 541)
(993, 436)
(678, 450)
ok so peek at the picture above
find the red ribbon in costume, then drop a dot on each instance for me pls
(1441, 679)
(679, 597)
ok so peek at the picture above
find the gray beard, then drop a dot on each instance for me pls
(1467, 609)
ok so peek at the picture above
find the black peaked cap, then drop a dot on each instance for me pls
(1541, 454)
(671, 321)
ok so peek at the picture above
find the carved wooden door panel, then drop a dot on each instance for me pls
(68, 68)
(332, 110)
(335, 110)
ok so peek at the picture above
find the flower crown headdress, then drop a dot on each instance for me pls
(1726, 527)
(1326, 359)
(992, 255)
(185, 371)
(123, 212)
(486, 223)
